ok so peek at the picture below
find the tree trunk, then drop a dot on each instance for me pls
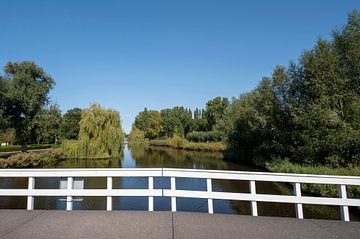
(24, 147)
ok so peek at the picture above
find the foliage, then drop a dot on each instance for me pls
(208, 136)
(284, 166)
(3, 118)
(14, 148)
(308, 112)
(149, 121)
(47, 125)
(8, 136)
(169, 157)
(200, 124)
(198, 113)
(100, 135)
(27, 160)
(177, 120)
(70, 125)
(24, 90)
(137, 137)
(215, 110)
(181, 143)
(243, 128)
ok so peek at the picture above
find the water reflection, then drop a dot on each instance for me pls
(157, 157)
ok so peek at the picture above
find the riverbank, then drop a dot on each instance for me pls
(17, 148)
(180, 143)
(283, 166)
(32, 159)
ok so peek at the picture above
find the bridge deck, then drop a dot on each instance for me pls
(135, 224)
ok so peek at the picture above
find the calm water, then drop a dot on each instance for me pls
(157, 157)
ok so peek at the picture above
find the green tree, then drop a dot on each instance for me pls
(3, 121)
(215, 110)
(243, 124)
(198, 113)
(8, 136)
(149, 121)
(137, 137)
(70, 125)
(170, 123)
(177, 120)
(100, 134)
(200, 124)
(346, 45)
(24, 92)
(47, 125)
(309, 112)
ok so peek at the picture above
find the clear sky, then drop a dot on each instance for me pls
(128, 55)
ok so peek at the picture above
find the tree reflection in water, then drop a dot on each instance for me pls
(158, 157)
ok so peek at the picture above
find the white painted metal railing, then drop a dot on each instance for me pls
(252, 177)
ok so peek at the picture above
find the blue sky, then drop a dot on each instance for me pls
(128, 55)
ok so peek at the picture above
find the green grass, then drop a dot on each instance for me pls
(12, 148)
(181, 143)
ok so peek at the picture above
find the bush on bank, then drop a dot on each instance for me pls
(137, 137)
(30, 159)
(205, 136)
(12, 148)
(181, 143)
(283, 166)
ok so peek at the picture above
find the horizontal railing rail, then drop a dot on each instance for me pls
(252, 177)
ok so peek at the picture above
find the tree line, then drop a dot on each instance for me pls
(307, 112)
(49, 126)
(26, 116)
(180, 121)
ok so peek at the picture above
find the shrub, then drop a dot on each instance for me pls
(11, 148)
(205, 136)
(29, 160)
(285, 166)
(181, 143)
(177, 141)
(137, 137)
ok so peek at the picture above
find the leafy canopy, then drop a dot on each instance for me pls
(100, 134)
(24, 91)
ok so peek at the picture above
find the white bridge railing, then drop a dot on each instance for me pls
(252, 177)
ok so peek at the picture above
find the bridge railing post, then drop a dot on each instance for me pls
(254, 210)
(298, 206)
(69, 199)
(210, 200)
(71, 186)
(109, 185)
(151, 198)
(344, 209)
(173, 198)
(30, 198)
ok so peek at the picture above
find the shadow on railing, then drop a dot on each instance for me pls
(70, 188)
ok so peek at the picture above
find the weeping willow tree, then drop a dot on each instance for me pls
(100, 135)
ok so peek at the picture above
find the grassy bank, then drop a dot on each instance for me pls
(181, 143)
(13, 148)
(30, 159)
(283, 166)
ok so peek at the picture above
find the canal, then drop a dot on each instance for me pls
(157, 157)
